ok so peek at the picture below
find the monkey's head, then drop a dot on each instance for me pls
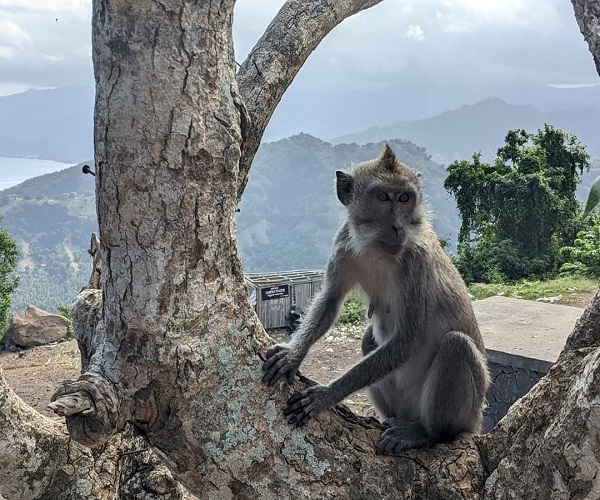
(384, 202)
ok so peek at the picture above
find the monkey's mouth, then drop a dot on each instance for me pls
(392, 247)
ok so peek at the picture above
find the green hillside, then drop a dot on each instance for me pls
(51, 218)
(289, 214)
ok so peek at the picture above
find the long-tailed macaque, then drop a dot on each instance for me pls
(424, 362)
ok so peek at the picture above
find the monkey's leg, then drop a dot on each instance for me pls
(368, 341)
(402, 436)
(454, 392)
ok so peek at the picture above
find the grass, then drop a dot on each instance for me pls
(532, 290)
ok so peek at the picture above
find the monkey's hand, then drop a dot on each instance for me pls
(282, 362)
(303, 405)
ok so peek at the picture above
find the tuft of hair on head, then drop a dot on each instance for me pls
(388, 158)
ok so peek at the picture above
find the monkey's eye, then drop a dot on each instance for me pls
(383, 196)
(404, 197)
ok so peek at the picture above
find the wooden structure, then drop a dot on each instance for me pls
(274, 294)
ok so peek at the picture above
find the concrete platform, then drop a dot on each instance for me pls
(524, 333)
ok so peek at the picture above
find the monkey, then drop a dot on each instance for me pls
(423, 365)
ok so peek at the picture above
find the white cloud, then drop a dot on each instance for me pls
(415, 32)
(46, 5)
(13, 35)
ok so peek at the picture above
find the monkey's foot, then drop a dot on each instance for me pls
(402, 436)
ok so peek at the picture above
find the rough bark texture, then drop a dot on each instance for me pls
(175, 347)
(587, 13)
(39, 461)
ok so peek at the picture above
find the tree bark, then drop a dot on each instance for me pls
(587, 13)
(176, 348)
(39, 461)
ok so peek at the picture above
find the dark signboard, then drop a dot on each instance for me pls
(275, 292)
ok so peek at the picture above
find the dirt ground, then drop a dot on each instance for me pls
(35, 373)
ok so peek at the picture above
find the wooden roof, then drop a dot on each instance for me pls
(285, 277)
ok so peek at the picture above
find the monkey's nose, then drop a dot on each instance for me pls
(398, 231)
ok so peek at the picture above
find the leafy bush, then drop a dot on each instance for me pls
(9, 255)
(518, 211)
(353, 313)
(66, 312)
(583, 257)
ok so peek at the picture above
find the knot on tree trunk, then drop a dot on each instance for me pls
(90, 407)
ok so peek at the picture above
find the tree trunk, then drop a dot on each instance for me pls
(175, 349)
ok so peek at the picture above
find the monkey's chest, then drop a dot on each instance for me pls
(388, 320)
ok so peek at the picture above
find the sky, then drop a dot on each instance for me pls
(437, 53)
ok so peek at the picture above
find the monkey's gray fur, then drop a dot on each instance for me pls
(424, 361)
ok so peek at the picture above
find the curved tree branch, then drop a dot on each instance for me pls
(277, 57)
(587, 13)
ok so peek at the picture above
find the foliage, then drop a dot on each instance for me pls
(593, 201)
(583, 256)
(9, 255)
(517, 212)
(65, 311)
(50, 288)
(353, 313)
(532, 290)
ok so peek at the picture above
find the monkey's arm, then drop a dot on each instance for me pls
(283, 360)
(375, 366)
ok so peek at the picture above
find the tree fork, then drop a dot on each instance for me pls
(179, 346)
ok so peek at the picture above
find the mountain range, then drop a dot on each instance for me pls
(57, 124)
(289, 211)
(458, 133)
(288, 214)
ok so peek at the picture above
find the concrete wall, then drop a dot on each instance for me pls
(512, 376)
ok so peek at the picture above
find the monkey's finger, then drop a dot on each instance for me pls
(297, 400)
(299, 418)
(304, 419)
(275, 373)
(291, 376)
(273, 358)
(273, 349)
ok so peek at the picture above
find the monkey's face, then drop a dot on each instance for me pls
(384, 216)
(384, 204)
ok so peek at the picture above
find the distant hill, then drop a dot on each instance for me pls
(54, 124)
(289, 211)
(457, 134)
(289, 214)
(51, 217)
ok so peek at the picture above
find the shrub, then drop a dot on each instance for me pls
(353, 313)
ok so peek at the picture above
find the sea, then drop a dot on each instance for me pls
(16, 170)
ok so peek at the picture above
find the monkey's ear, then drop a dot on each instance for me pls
(344, 187)
(388, 158)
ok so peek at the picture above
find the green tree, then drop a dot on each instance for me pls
(583, 256)
(9, 255)
(518, 211)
